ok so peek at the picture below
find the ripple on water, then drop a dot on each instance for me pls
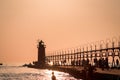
(23, 73)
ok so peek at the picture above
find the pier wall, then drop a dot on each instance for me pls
(79, 74)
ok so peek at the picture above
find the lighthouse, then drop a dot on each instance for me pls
(41, 54)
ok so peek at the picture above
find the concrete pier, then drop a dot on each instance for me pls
(92, 62)
(78, 72)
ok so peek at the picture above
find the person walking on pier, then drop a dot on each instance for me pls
(53, 76)
(117, 63)
(106, 63)
(91, 70)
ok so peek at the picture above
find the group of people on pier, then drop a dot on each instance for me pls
(100, 63)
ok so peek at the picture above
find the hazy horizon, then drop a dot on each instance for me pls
(60, 24)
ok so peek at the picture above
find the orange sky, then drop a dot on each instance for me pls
(59, 23)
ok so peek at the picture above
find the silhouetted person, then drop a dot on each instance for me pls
(117, 62)
(106, 63)
(79, 62)
(91, 70)
(83, 62)
(102, 63)
(72, 62)
(87, 61)
(84, 73)
(53, 76)
(95, 61)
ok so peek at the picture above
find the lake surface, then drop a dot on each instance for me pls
(24, 73)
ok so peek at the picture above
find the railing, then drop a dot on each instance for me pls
(107, 51)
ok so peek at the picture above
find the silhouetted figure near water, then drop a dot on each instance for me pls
(53, 76)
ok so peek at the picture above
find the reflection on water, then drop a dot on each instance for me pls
(24, 73)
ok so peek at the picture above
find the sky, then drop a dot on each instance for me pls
(61, 24)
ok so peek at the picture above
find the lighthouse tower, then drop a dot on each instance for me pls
(41, 54)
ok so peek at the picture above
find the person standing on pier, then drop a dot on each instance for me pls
(117, 63)
(91, 70)
(53, 76)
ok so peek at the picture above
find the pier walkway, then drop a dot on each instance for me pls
(98, 74)
(110, 71)
(98, 70)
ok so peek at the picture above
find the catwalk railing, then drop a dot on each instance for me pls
(98, 53)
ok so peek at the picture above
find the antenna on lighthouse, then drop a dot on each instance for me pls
(38, 43)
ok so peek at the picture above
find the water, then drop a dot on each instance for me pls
(24, 73)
